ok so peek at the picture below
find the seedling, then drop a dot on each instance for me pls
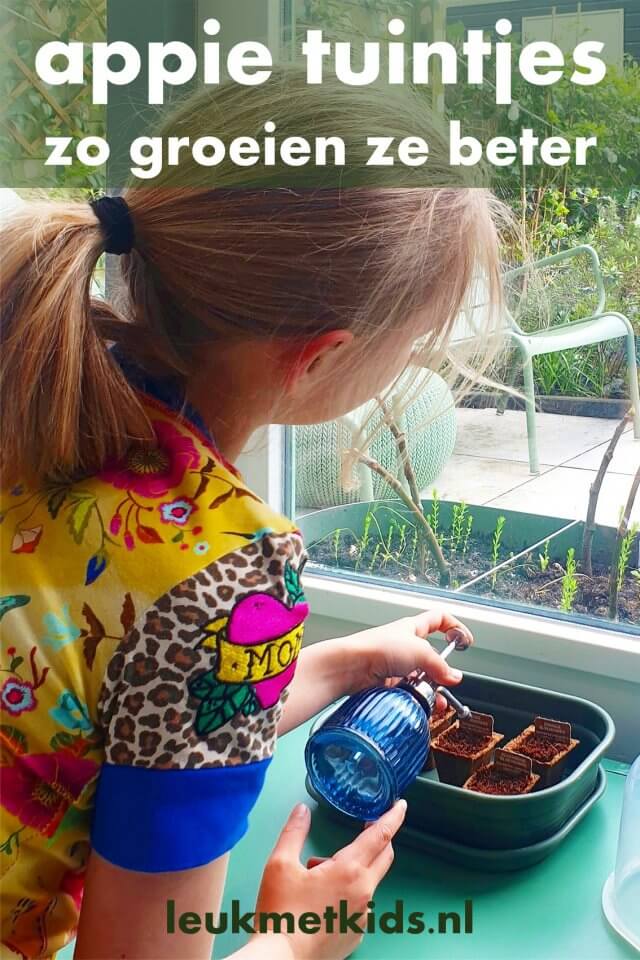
(376, 551)
(495, 546)
(388, 554)
(403, 540)
(364, 539)
(336, 544)
(569, 583)
(467, 534)
(544, 557)
(414, 548)
(434, 514)
(625, 553)
(457, 526)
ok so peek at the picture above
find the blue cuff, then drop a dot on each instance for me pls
(162, 820)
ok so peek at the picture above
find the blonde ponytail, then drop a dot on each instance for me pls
(228, 256)
(65, 407)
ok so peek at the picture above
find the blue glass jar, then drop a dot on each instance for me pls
(372, 747)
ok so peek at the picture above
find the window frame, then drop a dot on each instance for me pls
(268, 467)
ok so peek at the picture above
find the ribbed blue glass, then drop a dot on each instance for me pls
(368, 751)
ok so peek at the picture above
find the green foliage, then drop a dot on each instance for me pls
(457, 525)
(467, 534)
(608, 111)
(387, 546)
(569, 583)
(414, 548)
(336, 544)
(544, 557)
(366, 536)
(403, 540)
(560, 207)
(608, 220)
(28, 115)
(434, 513)
(556, 219)
(495, 546)
(625, 553)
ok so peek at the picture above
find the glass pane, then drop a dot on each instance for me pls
(505, 492)
(506, 535)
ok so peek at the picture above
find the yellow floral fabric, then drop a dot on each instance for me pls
(81, 564)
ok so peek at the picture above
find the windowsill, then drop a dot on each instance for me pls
(608, 653)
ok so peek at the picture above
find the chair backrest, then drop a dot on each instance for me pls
(471, 322)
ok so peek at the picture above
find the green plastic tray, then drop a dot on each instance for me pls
(493, 861)
(509, 824)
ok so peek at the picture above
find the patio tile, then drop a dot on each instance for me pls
(626, 458)
(477, 479)
(560, 438)
(564, 492)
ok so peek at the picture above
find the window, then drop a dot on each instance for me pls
(505, 483)
(509, 537)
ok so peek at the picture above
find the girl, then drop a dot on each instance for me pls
(152, 605)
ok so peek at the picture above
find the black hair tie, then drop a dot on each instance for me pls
(115, 219)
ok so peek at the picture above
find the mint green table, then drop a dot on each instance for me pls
(550, 912)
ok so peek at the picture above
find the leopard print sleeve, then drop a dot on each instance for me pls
(191, 702)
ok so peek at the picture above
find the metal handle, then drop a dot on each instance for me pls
(463, 711)
(459, 641)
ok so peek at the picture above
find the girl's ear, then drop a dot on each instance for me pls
(306, 365)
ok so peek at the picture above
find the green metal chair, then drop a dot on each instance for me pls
(600, 326)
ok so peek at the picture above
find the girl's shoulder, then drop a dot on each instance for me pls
(134, 577)
(149, 521)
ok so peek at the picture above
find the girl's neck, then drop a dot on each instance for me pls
(233, 391)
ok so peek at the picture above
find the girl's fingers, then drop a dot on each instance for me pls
(426, 658)
(441, 704)
(381, 865)
(294, 833)
(441, 621)
(369, 844)
(429, 659)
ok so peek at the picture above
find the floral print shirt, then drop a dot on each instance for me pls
(151, 617)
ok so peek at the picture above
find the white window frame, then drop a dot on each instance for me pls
(500, 630)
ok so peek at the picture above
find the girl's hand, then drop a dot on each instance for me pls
(329, 670)
(352, 875)
(383, 655)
